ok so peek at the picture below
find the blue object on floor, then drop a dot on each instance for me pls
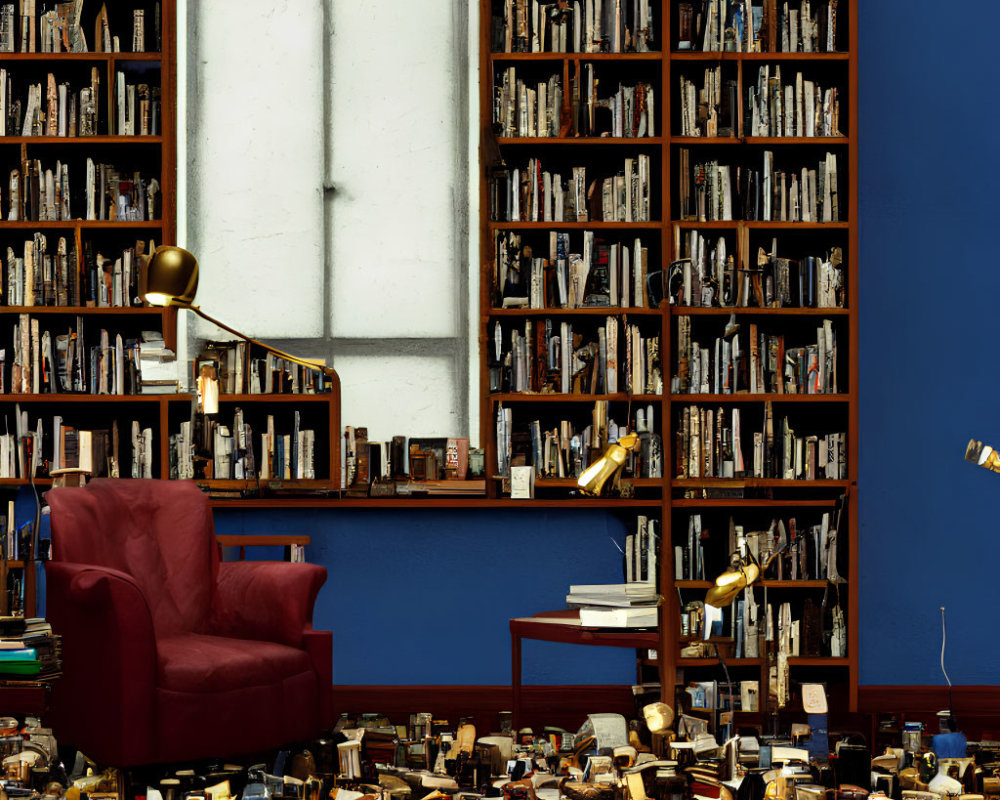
(949, 745)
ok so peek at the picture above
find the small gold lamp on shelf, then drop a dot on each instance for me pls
(172, 281)
(743, 571)
(594, 477)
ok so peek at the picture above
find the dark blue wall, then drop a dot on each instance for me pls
(930, 289)
(424, 596)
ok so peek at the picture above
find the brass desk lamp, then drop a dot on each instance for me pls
(593, 478)
(172, 280)
(742, 572)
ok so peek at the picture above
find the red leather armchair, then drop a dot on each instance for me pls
(168, 653)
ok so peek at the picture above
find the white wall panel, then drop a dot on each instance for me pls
(399, 395)
(395, 254)
(255, 148)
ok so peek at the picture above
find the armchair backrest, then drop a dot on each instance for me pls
(159, 532)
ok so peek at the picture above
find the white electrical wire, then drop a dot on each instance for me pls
(943, 634)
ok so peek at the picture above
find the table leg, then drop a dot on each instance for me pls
(515, 679)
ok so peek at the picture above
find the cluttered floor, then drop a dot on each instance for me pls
(653, 757)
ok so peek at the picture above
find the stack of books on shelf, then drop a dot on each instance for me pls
(616, 605)
(28, 649)
(103, 451)
(433, 466)
(157, 365)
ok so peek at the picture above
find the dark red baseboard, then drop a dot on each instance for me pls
(977, 708)
(562, 706)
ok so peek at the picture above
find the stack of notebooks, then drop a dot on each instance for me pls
(28, 649)
(616, 605)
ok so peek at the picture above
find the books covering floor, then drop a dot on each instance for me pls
(656, 757)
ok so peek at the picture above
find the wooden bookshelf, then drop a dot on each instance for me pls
(517, 241)
(117, 109)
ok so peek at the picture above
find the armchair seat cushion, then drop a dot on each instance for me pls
(195, 663)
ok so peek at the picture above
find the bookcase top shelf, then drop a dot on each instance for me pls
(588, 311)
(759, 398)
(742, 502)
(103, 311)
(698, 311)
(322, 397)
(65, 397)
(563, 141)
(51, 58)
(761, 224)
(737, 483)
(85, 224)
(621, 397)
(654, 56)
(85, 140)
(770, 141)
(593, 225)
(717, 55)
(433, 502)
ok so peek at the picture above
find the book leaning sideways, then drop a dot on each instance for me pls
(983, 455)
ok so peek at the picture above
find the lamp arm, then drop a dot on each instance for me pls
(328, 371)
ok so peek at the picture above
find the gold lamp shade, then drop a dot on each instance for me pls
(730, 583)
(171, 277)
(593, 478)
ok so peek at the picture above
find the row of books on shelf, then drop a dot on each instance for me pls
(44, 361)
(44, 29)
(111, 194)
(800, 108)
(442, 464)
(602, 273)
(710, 110)
(544, 358)
(712, 191)
(40, 275)
(789, 551)
(50, 444)
(533, 194)
(628, 113)
(759, 363)
(522, 109)
(562, 449)
(709, 444)
(809, 26)
(58, 109)
(707, 277)
(207, 448)
(239, 371)
(15, 541)
(779, 630)
(576, 26)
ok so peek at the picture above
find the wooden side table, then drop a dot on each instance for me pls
(564, 626)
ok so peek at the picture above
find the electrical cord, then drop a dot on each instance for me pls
(944, 633)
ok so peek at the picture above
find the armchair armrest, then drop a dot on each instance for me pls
(109, 651)
(266, 600)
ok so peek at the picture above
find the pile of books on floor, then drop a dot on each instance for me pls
(29, 650)
(616, 605)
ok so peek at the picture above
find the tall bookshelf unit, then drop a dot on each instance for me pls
(70, 292)
(783, 273)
